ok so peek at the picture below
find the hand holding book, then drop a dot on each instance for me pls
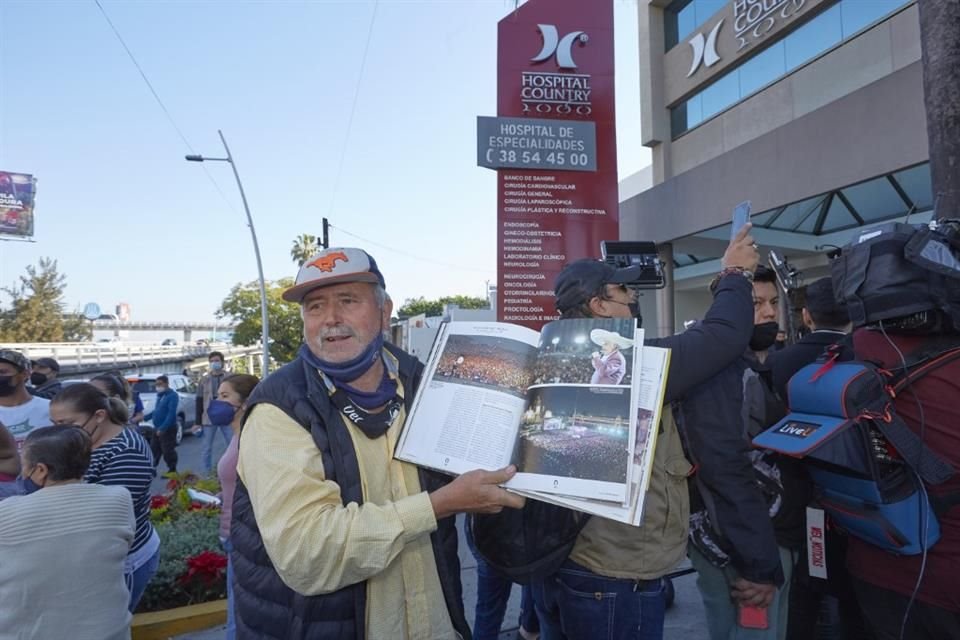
(476, 492)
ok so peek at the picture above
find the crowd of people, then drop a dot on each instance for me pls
(575, 452)
(484, 365)
(330, 536)
(76, 468)
(562, 368)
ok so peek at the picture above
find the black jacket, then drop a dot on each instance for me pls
(703, 350)
(783, 364)
(47, 390)
(725, 484)
(265, 606)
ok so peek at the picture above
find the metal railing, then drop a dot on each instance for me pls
(162, 326)
(79, 355)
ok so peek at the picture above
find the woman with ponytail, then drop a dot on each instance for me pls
(120, 457)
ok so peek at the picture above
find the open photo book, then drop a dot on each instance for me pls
(574, 407)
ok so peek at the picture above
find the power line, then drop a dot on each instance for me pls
(410, 255)
(143, 75)
(353, 109)
(156, 97)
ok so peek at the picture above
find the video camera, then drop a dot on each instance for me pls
(902, 274)
(621, 255)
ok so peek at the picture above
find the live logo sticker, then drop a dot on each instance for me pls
(816, 544)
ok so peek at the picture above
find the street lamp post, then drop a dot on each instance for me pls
(256, 250)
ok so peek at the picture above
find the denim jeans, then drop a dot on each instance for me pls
(493, 594)
(714, 586)
(138, 580)
(209, 435)
(577, 604)
(230, 633)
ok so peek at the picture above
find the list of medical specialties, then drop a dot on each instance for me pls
(535, 143)
(537, 210)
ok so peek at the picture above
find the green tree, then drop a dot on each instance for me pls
(36, 310)
(76, 328)
(303, 248)
(416, 306)
(242, 306)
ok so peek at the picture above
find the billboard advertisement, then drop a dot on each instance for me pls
(17, 192)
(553, 145)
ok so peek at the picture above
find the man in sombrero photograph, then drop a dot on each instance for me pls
(609, 364)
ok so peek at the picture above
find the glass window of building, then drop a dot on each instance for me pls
(861, 13)
(687, 115)
(915, 182)
(762, 69)
(838, 217)
(683, 17)
(821, 33)
(795, 214)
(721, 94)
(813, 38)
(875, 199)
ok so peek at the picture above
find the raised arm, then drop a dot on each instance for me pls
(723, 335)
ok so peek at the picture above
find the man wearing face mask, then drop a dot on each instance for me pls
(746, 526)
(20, 412)
(333, 538)
(207, 393)
(164, 416)
(44, 378)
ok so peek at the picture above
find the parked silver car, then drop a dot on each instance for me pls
(146, 386)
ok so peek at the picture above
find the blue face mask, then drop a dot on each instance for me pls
(216, 366)
(221, 413)
(26, 485)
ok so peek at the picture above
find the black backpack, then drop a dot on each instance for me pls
(527, 544)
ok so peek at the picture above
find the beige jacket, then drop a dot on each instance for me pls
(653, 549)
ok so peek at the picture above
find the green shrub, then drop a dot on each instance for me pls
(192, 565)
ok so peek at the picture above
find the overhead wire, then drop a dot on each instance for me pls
(353, 109)
(343, 152)
(449, 265)
(163, 107)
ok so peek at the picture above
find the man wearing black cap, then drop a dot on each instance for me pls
(20, 412)
(611, 585)
(333, 537)
(44, 378)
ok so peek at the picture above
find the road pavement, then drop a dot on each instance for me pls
(685, 620)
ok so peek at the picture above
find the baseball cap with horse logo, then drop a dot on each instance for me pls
(334, 266)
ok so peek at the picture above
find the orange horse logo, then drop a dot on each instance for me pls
(328, 262)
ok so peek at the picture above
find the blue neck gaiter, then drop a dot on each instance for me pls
(342, 373)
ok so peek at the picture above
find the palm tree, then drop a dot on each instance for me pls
(303, 248)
